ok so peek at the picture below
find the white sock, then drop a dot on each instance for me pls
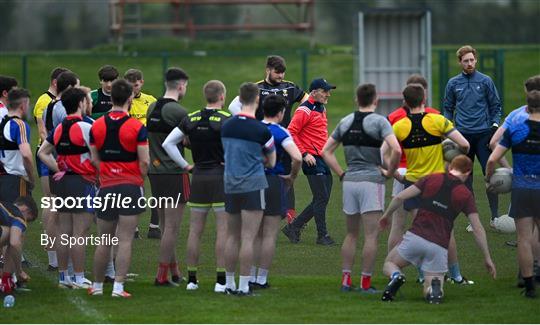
(262, 276)
(152, 226)
(118, 286)
(230, 283)
(253, 274)
(64, 276)
(53, 261)
(244, 283)
(97, 285)
(110, 272)
(71, 271)
(79, 277)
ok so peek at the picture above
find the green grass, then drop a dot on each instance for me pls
(305, 285)
(305, 278)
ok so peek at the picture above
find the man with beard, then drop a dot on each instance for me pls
(472, 103)
(274, 83)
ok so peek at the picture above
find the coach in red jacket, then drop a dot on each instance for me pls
(309, 130)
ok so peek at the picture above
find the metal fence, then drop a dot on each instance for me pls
(508, 66)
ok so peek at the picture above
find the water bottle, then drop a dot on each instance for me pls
(9, 301)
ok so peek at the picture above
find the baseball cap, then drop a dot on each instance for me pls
(320, 84)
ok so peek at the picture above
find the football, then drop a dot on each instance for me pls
(450, 150)
(501, 180)
(505, 224)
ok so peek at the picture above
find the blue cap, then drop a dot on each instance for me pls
(320, 84)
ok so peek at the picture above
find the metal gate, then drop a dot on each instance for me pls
(392, 45)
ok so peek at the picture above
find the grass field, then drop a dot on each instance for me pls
(305, 278)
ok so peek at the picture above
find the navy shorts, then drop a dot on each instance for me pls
(524, 203)
(42, 169)
(275, 196)
(413, 203)
(75, 188)
(110, 211)
(13, 186)
(236, 202)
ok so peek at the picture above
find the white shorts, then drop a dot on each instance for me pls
(422, 253)
(362, 197)
(397, 187)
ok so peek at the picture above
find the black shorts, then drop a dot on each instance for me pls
(276, 197)
(413, 203)
(111, 208)
(13, 186)
(207, 188)
(74, 188)
(54, 186)
(250, 201)
(524, 203)
(170, 185)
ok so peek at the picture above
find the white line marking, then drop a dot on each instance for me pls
(81, 304)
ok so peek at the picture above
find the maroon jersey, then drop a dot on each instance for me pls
(443, 197)
(116, 137)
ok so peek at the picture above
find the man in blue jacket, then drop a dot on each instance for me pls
(471, 101)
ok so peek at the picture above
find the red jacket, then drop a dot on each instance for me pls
(309, 127)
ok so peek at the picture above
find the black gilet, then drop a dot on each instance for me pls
(357, 136)
(531, 144)
(419, 137)
(155, 121)
(441, 202)
(64, 146)
(6, 144)
(49, 117)
(112, 149)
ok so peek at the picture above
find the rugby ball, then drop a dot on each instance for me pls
(501, 180)
(504, 224)
(450, 150)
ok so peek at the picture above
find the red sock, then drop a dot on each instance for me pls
(5, 276)
(366, 281)
(162, 275)
(291, 214)
(346, 279)
(173, 267)
(7, 284)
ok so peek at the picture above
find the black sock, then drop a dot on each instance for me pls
(154, 218)
(221, 277)
(536, 271)
(529, 284)
(192, 276)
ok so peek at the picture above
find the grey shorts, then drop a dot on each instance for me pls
(397, 186)
(422, 253)
(362, 197)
